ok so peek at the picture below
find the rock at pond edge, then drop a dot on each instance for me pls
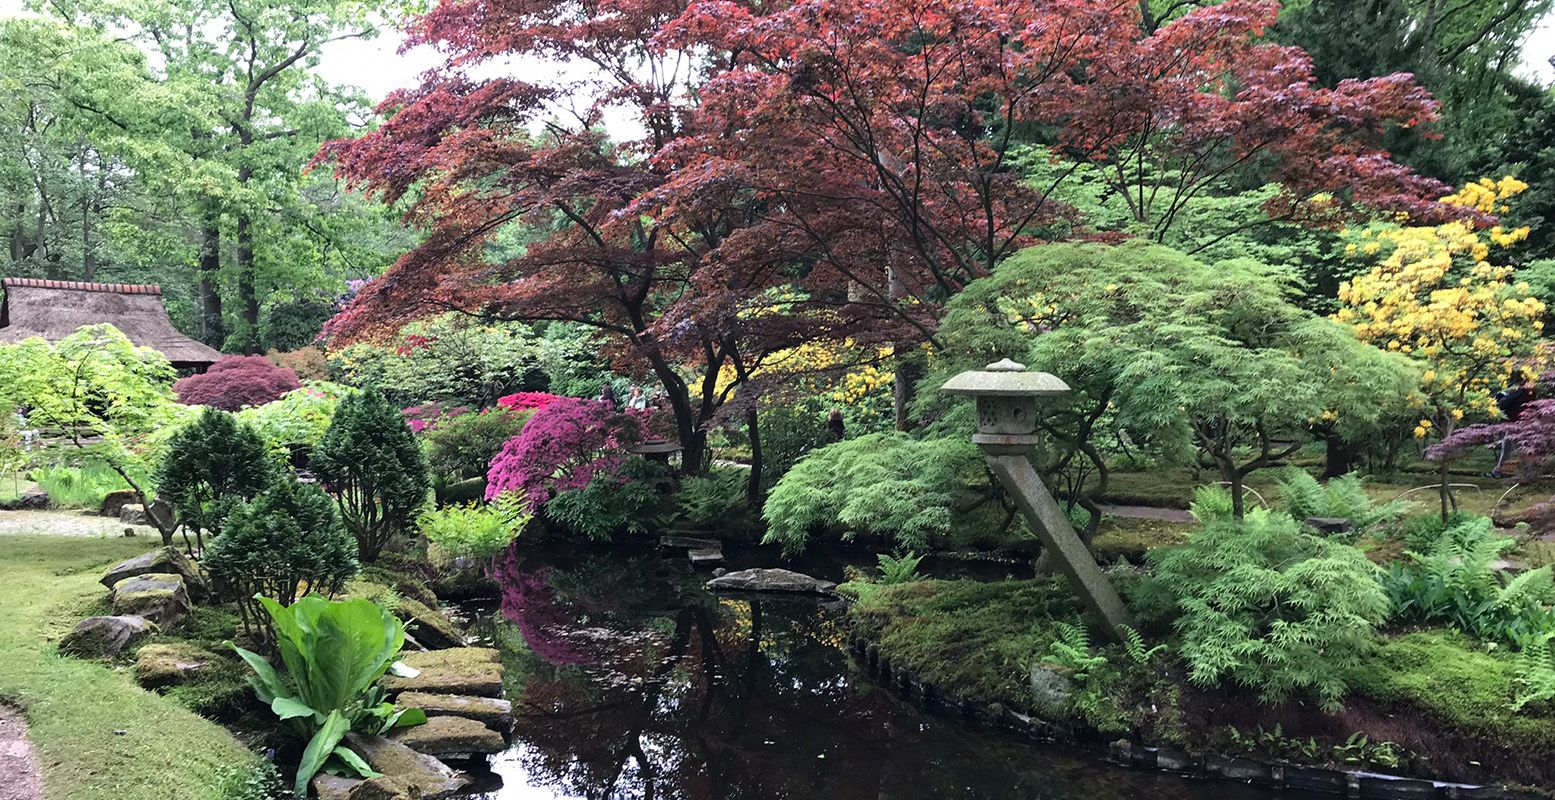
(434, 778)
(772, 581)
(450, 736)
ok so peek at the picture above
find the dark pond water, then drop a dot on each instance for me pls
(633, 682)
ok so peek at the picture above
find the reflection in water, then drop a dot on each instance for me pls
(632, 682)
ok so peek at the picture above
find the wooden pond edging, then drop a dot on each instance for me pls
(1359, 784)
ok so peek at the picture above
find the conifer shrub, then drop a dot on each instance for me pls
(237, 382)
(283, 543)
(1269, 605)
(373, 465)
(212, 464)
(886, 484)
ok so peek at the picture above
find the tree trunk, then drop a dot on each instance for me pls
(1444, 490)
(248, 295)
(1238, 502)
(753, 483)
(1339, 455)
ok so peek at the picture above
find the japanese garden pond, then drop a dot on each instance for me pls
(632, 681)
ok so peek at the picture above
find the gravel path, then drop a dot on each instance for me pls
(65, 523)
(19, 775)
(1148, 512)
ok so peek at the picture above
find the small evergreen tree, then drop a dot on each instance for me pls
(370, 461)
(211, 465)
(285, 542)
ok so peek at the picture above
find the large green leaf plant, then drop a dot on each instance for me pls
(333, 654)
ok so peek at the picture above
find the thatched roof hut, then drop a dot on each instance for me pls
(56, 309)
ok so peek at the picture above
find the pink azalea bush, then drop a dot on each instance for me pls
(522, 401)
(562, 447)
(237, 382)
(428, 415)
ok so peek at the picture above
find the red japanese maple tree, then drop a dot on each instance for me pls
(820, 168)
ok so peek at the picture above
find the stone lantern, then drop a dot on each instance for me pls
(1007, 412)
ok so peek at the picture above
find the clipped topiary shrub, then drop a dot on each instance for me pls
(237, 382)
(212, 465)
(370, 461)
(285, 541)
(1269, 605)
(463, 446)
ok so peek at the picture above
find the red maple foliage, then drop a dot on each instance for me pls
(237, 382)
(823, 168)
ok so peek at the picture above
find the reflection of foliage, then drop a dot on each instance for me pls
(530, 603)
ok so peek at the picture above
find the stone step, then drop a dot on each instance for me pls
(780, 581)
(488, 711)
(459, 670)
(688, 543)
(432, 778)
(706, 557)
(450, 737)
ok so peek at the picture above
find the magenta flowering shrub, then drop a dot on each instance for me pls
(237, 382)
(524, 401)
(428, 415)
(562, 447)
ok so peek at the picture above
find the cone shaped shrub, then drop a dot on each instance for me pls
(370, 461)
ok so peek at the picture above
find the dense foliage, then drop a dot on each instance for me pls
(476, 530)
(284, 542)
(299, 419)
(1265, 604)
(333, 654)
(463, 445)
(237, 382)
(621, 500)
(370, 461)
(211, 465)
(886, 484)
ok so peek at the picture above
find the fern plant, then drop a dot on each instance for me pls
(1072, 652)
(714, 497)
(1343, 497)
(899, 569)
(1534, 672)
(1271, 606)
(1211, 504)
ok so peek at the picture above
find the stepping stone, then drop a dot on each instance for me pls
(488, 711)
(170, 663)
(106, 637)
(157, 596)
(450, 737)
(705, 557)
(688, 543)
(334, 787)
(459, 670)
(781, 581)
(164, 560)
(434, 778)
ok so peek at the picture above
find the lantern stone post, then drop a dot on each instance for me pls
(1006, 395)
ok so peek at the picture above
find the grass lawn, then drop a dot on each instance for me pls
(97, 734)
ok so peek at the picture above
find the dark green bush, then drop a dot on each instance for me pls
(286, 541)
(462, 446)
(211, 465)
(712, 498)
(370, 461)
(1269, 605)
(625, 502)
(787, 433)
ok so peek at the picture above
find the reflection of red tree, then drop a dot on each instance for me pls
(529, 601)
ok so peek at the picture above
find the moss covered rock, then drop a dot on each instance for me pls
(171, 663)
(162, 561)
(106, 637)
(160, 597)
(488, 711)
(431, 777)
(450, 736)
(462, 670)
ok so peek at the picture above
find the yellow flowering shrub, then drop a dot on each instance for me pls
(1438, 296)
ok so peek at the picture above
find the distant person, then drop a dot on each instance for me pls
(607, 395)
(1511, 401)
(637, 400)
(835, 431)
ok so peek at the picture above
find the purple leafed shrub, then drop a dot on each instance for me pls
(562, 447)
(1533, 438)
(237, 382)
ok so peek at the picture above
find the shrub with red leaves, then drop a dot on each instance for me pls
(524, 401)
(237, 382)
(562, 447)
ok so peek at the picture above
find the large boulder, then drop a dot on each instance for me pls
(170, 663)
(334, 787)
(106, 637)
(116, 500)
(133, 514)
(777, 581)
(31, 500)
(489, 711)
(163, 560)
(432, 778)
(450, 737)
(460, 670)
(160, 597)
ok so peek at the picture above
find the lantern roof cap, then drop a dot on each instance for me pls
(1005, 378)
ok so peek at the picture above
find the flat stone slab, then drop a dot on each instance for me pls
(488, 711)
(334, 787)
(160, 597)
(434, 778)
(163, 560)
(688, 543)
(450, 737)
(106, 637)
(705, 557)
(459, 670)
(780, 581)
